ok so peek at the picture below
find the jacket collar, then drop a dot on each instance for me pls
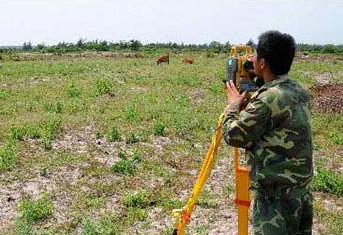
(280, 79)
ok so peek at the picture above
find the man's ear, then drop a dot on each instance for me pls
(263, 63)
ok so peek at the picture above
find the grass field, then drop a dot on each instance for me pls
(96, 145)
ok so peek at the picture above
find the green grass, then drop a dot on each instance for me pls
(127, 164)
(8, 156)
(138, 199)
(207, 200)
(119, 108)
(106, 225)
(34, 210)
(327, 181)
(113, 134)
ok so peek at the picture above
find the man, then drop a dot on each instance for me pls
(274, 129)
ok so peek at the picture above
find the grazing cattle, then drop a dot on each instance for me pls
(188, 60)
(163, 59)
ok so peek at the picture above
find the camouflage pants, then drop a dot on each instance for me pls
(284, 216)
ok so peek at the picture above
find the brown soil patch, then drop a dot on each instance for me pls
(318, 57)
(327, 98)
(81, 55)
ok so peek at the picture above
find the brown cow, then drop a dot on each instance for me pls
(188, 60)
(163, 59)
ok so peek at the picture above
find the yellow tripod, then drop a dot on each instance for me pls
(182, 216)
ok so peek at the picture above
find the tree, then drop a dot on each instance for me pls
(81, 43)
(40, 46)
(215, 46)
(251, 43)
(27, 46)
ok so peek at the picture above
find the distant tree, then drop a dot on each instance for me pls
(80, 43)
(328, 48)
(215, 46)
(135, 45)
(40, 47)
(227, 47)
(27, 46)
(251, 43)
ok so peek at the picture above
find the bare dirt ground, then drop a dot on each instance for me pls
(327, 98)
(318, 57)
(217, 220)
(81, 55)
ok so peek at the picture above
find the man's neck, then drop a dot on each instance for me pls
(269, 76)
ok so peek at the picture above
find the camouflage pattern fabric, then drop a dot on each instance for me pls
(274, 129)
(284, 216)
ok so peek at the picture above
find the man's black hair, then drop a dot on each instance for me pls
(278, 49)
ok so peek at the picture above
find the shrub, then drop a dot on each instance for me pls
(73, 91)
(17, 133)
(29, 130)
(131, 114)
(132, 138)
(124, 166)
(327, 181)
(134, 214)
(159, 129)
(55, 107)
(32, 210)
(107, 225)
(103, 86)
(23, 227)
(8, 156)
(113, 134)
(49, 131)
(336, 137)
(138, 199)
(32, 131)
(128, 164)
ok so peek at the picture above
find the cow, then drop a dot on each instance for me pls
(163, 59)
(188, 60)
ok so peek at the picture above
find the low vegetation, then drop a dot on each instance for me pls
(91, 144)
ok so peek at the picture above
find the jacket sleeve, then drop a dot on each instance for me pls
(243, 129)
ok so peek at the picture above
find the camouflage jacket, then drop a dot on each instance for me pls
(274, 129)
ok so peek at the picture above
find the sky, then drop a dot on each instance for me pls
(180, 21)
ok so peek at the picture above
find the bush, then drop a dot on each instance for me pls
(17, 133)
(103, 86)
(336, 137)
(49, 131)
(138, 199)
(107, 225)
(23, 227)
(134, 214)
(36, 210)
(132, 138)
(32, 131)
(327, 181)
(73, 91)
(124, 166)
(127, 165)
(29, 130)
(55, 107)
(131, 114)
(113, 134)
(159, 129)
(8, 156)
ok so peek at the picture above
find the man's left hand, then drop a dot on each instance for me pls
(235, 99)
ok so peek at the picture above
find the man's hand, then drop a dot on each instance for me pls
(235, 99)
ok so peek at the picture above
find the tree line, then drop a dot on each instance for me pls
(136, 45)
